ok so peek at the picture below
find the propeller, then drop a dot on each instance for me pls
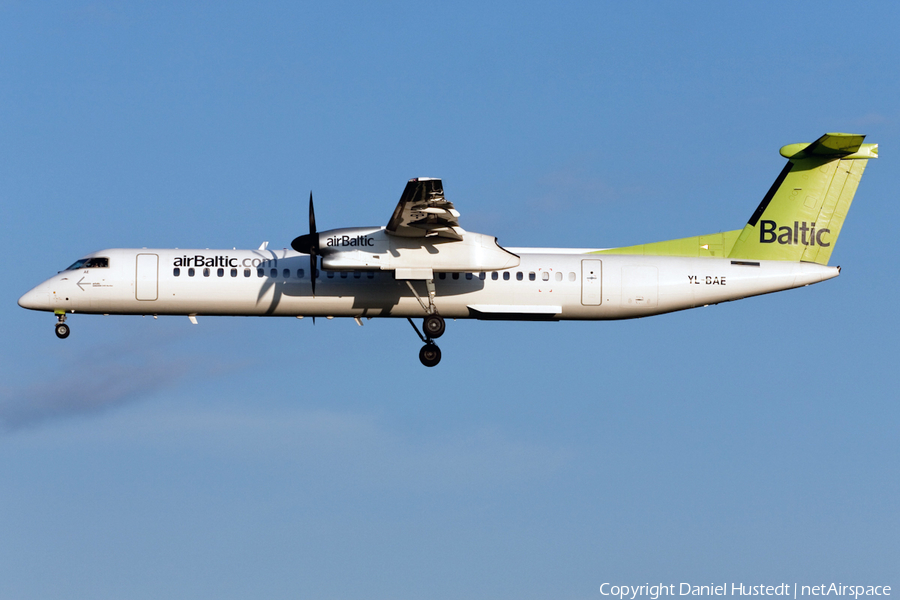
(309, 244)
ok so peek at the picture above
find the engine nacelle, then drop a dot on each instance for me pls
(372, 248)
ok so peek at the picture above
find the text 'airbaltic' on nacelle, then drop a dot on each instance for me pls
(372, 248)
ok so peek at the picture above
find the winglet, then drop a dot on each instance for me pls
(264, 245)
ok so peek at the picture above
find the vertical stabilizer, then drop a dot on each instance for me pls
(799, 219)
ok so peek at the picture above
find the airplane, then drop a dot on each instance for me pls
(422, 264)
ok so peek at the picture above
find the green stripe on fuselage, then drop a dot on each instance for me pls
(714, 245)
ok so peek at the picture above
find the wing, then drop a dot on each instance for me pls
(424, 212)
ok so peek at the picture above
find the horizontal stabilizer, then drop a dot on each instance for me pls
(833, 145)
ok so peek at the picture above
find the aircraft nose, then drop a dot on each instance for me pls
(35, 299)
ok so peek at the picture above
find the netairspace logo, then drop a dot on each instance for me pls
(654, 592)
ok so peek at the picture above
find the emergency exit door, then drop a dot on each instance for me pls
(591, 290)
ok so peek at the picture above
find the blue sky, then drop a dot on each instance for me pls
(753, 441)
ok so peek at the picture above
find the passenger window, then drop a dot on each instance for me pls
(545, 276)
(505, 275)
(571, 276)
(455, 275)
(442, 276)
(220, 272)
(329, 274)
(356, 274)
(246, 272)
(260, 272)
(234, 272)
(371, 274)
(559, 275)
(343, 274)
(300, 273)
(206, 272)
(176, 271)
(273, 273)
(531, 276)
(519, 276)
(468, 276)
(482, 276)
(495, 276)
(286, 273)
(191, 272)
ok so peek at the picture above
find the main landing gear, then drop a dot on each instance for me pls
(430, 354)
(62, 330)
(434, 327)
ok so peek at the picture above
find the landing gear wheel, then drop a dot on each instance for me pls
(62, 331)
(434, 326)
(430, 355)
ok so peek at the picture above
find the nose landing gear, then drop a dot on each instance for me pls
(62, 330)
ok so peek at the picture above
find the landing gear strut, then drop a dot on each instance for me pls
(62, 330)
(433, 325)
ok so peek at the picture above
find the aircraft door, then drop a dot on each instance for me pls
(640, 286)
(146, 279)
(591, 290)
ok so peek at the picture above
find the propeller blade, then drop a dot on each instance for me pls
(313, 263)
(312, 215)
(308, 243)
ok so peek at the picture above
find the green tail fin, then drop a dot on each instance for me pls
(802, 214)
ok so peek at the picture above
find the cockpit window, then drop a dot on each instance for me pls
(95, 262)
(77, 264)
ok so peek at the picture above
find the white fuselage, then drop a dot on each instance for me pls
(548, 284)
